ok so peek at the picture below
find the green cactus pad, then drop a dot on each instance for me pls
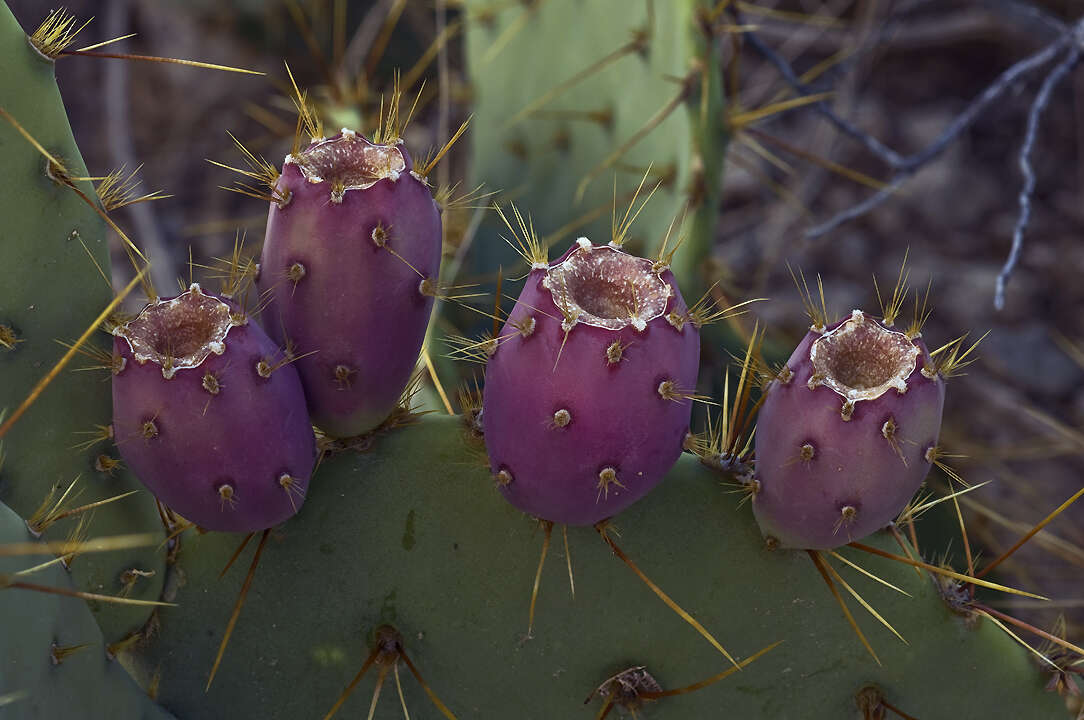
(518, 53)
(38, 678)
(414, 534)
(51, 290)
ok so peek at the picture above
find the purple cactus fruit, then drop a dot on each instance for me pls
(588, 392)
(846, 434)
(349, 268)
(210, 415)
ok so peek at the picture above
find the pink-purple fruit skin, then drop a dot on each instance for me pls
(616, 416)
(811, 464)
(247, 435)
(356, 304)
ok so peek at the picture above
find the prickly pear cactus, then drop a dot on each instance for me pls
(53, 662)
(350, 265)
(406, 562)
(415, 535)
(50, 242)
(846, 433)
(587, 393)
(211, 415)
(568, 93)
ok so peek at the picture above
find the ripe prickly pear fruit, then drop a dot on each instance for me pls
(210, 414)
(349, 265)
(588, 392)
(846, 434)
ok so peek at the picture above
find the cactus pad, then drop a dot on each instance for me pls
(53, 660)
(52, 246)
(635, 86)
(413, 534)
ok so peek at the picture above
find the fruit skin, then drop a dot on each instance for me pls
(247, 434)
(617, 417)
(359, 306)
(799, 500)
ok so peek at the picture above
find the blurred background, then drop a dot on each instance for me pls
(900, 71)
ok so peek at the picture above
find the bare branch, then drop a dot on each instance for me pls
(1031, 13)
(1038, 106)
(875, 146)
(1068, 43)
(910, 163)
(860, 209)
